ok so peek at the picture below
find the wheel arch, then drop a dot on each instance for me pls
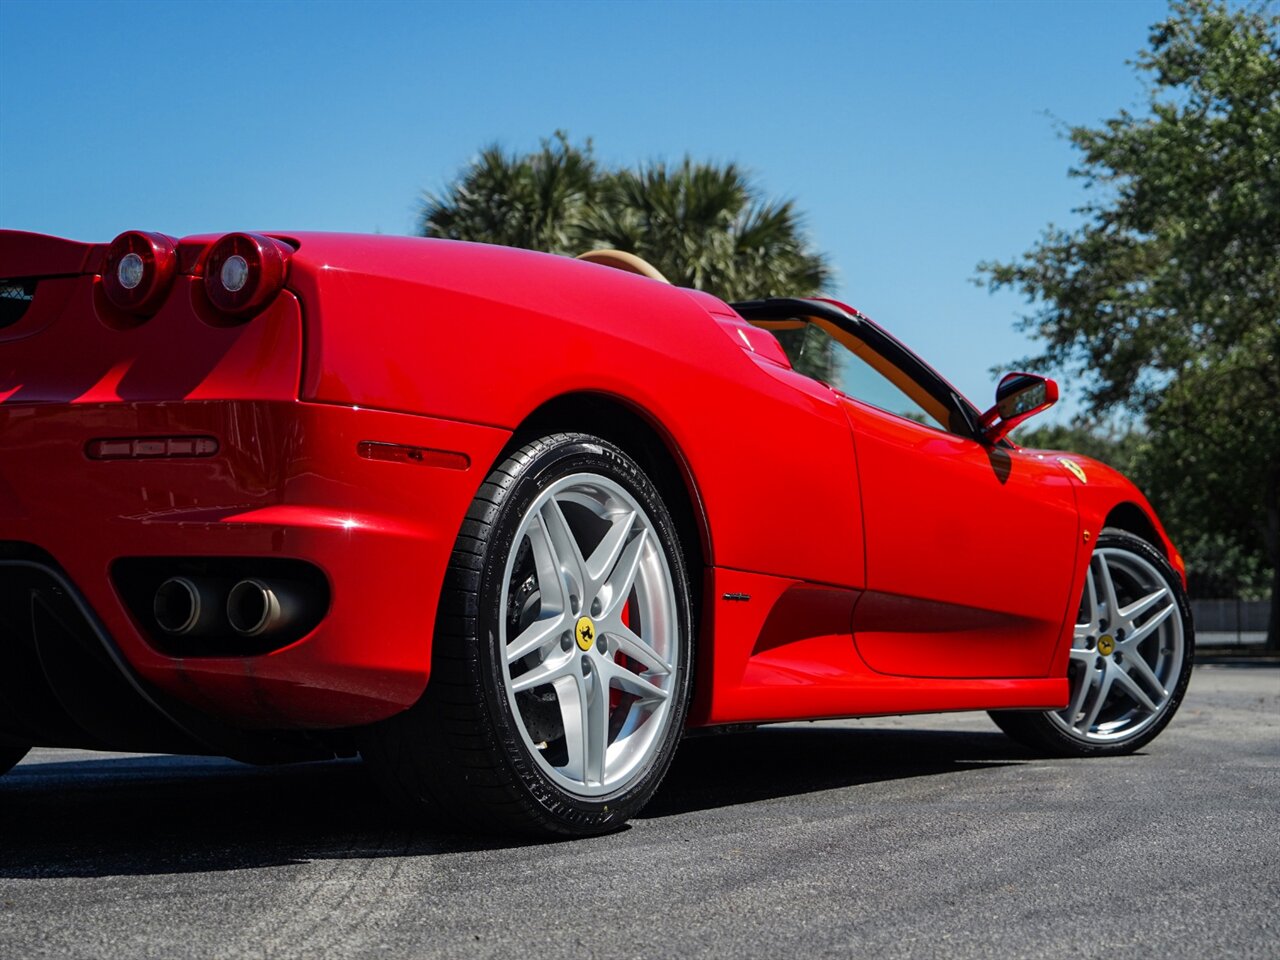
(639, 434)
(1131, 518)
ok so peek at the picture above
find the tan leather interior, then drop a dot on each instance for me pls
(621, 260)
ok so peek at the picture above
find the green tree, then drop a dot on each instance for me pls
(707, 227)
(1166, 300)
(1116, 447)
(702, 225)
(1213, 453)
(538, 201)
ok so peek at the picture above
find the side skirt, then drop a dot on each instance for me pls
(773, 649)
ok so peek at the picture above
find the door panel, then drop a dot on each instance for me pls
(970, 552)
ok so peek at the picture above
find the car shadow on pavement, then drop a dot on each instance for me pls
(145, 815)
(775, 762)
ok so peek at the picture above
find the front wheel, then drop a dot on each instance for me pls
(562, 662)
(1130, 657)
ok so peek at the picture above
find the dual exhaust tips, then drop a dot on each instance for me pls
(199, 607)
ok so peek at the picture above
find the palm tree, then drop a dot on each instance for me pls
(702, 225)
(537, 201)
(707, 227)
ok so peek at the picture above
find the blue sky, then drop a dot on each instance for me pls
(919, 137)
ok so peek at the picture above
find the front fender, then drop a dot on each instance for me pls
(1105, 498)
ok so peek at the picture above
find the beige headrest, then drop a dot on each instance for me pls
(621, 260)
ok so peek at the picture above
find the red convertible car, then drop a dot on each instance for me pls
(508, 525)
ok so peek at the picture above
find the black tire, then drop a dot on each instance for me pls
(11, 755)
(462, 749)
(1040, 732)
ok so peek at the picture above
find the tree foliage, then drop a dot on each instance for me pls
(1166, 300)
(538, 201)
(703, 225)
(707, 227)
(1116, 447)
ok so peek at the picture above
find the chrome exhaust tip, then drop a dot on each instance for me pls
(257, 608)
(182, 606)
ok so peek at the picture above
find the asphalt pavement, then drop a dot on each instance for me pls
(884, 838)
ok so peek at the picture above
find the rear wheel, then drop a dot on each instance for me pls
(1130, 657)
(562, 664)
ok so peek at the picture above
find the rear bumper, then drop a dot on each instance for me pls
(286, 482)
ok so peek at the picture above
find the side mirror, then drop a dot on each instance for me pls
(1019, 397)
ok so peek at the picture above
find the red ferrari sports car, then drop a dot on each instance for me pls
(508, 525)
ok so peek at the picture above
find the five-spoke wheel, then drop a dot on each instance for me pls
(562, 662)
(591, 634)
(1130, 658)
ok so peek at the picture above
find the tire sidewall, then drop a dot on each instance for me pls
(554, 458)
(1120, 539)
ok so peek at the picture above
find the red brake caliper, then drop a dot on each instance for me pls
(615, 695)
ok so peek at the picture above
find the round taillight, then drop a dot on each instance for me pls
(139, 271)
(244, 271)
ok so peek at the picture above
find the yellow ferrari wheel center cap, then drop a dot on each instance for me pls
(1106, 643)
(585, 633)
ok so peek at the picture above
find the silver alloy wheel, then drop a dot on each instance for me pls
(590, 633)
(1127, 653)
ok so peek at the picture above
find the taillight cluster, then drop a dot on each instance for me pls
(244, 271)
(139, 271)
(241, 272)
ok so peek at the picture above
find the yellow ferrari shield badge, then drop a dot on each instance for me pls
(585, 633)
(1074, 468)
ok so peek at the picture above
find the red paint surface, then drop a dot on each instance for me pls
(891, 567)
(970, 552)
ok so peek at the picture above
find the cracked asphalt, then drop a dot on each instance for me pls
(891, 837)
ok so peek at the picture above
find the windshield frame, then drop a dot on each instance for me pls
(965, 419)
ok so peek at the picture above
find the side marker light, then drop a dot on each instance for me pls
(422, 456)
